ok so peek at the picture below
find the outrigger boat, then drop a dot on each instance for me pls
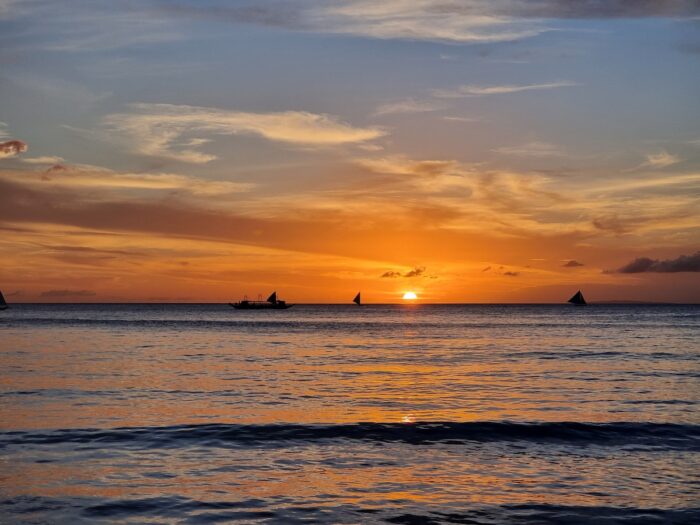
(357, 300)
(272, 303)
(3, 304)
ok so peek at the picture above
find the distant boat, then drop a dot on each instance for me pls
(3, 304)
(357, 300)
(578, 299)
(272, 303)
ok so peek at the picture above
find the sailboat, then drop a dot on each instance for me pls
(272, 303)
(3, 304)
(357, 300)
(578, 299)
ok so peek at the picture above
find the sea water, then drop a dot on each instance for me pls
(344, 414)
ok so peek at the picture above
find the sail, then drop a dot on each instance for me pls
(357, 300)
(273, 298)
(3, 304)
(577, 298)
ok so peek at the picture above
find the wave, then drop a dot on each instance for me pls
(256, 510)
(661, 436)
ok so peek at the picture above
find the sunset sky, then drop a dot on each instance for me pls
(469, 151)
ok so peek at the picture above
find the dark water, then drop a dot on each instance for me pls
(339, 414)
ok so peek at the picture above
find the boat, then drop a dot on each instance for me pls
(357, 300)
(578, 299)
(3, 304)
(272, 303)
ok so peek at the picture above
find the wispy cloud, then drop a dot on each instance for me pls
(683, 263)
(460, 119)
(422, 20)
(42, 160)
(659, 160)
(407, 106)
(433, 20)
(95, 177)
(170, 131)
(102, 25)
(472, 90)
(572, 264)
(532, 149)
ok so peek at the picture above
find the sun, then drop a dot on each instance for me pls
(410, 296)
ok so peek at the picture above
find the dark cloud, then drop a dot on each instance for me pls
(596, 9)
(88, 250)
(486, 269)
(12, 148)
(68, 293)
(511, 274)
(684, 263)
(572, 264)
(418, 271)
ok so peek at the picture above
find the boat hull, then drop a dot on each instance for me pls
(239, 306)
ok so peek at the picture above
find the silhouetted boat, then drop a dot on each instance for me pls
(3, 304)
(578, 299)
(357, 300)
(272, 303)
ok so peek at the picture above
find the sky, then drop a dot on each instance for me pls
(469, 151)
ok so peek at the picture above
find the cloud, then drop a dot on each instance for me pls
(68, 293)
(471, 90)
(531, 149)
(166, 130)
(572, 264)
(94, 177)
(662, 159)
(431, 20)
(466, 21)
(407, 106)
(683, 263)
(418, 271)
(12, 148)
(595, 9)
(460, 119)
(42, 160)
(98, 25)
(486, 269)
(511, 274)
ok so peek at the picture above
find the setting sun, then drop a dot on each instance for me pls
(410, 296)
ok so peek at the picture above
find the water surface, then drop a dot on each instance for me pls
(340, 414)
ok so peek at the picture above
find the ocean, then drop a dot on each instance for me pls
(408, 414)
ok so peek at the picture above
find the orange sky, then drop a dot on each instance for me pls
(504, 157)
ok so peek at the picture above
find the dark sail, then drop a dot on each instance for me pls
(357, 300)
(3, 304)
(578, 299)
(273, 298)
